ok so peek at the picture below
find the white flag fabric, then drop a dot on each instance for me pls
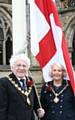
(48, 43)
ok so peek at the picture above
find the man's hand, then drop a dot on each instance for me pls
(40, 112)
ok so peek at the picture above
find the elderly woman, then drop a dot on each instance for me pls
(57, 97)
(18, 98)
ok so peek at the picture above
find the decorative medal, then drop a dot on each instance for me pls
(56, 99)
(28, 101)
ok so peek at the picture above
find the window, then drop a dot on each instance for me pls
(73, 52)
(5, 42)
(1, 44)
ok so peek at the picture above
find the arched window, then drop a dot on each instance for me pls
(73, 52)
(5, 42)
(8, 48)
(1, 44)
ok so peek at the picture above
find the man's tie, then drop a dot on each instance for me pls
(23, 84)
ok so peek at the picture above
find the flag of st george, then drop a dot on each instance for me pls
(48, 43)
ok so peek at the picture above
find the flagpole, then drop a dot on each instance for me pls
(37, 95)
(36, 91)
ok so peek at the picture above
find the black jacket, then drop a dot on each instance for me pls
(13, 102)
(62, 110)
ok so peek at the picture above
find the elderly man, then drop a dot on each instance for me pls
(18, 98)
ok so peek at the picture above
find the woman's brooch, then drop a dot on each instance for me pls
(48, 87)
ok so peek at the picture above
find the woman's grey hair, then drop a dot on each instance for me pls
(61, 66)
(14, 58)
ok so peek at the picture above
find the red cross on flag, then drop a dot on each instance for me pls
(48, 43)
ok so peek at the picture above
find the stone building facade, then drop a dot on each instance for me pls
(67, 16)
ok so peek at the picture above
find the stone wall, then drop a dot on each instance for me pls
(67, 17)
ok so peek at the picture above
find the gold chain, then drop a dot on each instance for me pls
(56, 99)
(26, 93)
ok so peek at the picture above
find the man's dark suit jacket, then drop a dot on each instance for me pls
(13, 104)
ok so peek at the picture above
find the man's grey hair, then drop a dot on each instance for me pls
(16, 57)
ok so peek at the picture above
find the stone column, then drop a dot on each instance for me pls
(19, 26)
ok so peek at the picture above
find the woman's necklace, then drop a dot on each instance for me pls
(56, 98)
